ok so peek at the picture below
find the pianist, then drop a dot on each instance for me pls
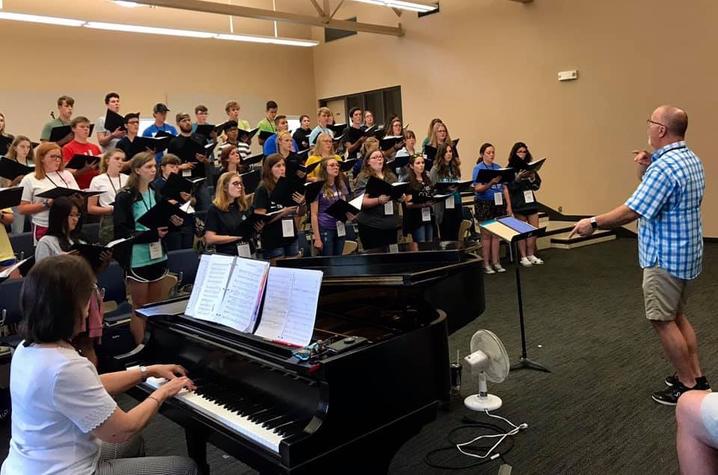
(64, 419)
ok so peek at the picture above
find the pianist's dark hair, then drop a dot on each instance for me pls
(51, 303)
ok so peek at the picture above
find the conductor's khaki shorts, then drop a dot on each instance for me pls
(664, 295)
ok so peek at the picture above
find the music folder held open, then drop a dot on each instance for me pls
(247, 295)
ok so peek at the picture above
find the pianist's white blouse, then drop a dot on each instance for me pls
(57, 401)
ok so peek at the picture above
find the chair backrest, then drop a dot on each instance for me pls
(167, 285)
(10, 300)
(184, 263)
(463, 229)
(23, 243)
(91, 232)
(349, 247)
(112, 280)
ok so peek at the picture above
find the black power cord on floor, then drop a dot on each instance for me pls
(470, 424)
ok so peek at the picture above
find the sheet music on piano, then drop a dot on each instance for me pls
(229, 290)
(290, 305)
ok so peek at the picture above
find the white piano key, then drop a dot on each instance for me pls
(236, 422)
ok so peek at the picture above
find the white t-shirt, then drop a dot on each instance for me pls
(57, 401)
(32, 187)
(100, 127)
(110, 186)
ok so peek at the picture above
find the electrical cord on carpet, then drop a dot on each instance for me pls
(485, 454)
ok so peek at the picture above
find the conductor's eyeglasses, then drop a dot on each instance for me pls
(649, 122)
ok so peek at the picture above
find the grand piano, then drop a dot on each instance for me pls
(376, 372)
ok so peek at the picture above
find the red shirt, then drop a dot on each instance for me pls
(76, 148)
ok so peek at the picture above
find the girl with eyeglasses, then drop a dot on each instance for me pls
(49, 173)
(229, 209)
(523, 199)
(62, 233)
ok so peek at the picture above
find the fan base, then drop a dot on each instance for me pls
(481, 404)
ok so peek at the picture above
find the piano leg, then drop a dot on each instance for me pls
(197, 448)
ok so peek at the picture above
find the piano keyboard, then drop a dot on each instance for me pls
(249, 417)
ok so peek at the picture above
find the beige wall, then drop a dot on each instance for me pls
(42, 62)
(488, 68)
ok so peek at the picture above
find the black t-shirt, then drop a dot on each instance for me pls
(187, 154)
(272, 232)
(412, 216)
(301, 137)
(226, 223)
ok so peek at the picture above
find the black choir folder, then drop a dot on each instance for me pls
(247, 295)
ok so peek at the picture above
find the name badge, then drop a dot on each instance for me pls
(498, 199)
(155, 250)
(187, 172)
(388, 208)
(528, 196)
(425, 214)
(287, 228)
(341, 229)
(243, 250)
(449, 203)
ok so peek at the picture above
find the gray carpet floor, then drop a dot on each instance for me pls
(593, 413)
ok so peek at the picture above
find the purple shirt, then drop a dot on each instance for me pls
(327, 221)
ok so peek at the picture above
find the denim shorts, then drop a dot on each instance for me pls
(289, 250)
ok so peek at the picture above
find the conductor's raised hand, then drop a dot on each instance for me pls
(582, 228)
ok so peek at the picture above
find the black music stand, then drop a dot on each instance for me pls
(512, 231)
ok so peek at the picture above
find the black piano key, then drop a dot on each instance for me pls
(292, 428)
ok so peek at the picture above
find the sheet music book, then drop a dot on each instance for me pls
(535, 165)
(230, 291)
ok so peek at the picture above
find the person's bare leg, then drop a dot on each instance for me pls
(495, 248)
(533, 220)
(676, 349)
(523, 251)
(486, 248)
(695, 454)
(138, 293)
(689, 335)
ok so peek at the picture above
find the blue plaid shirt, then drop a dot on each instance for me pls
(670, 233)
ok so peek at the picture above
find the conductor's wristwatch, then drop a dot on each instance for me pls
(594, 224)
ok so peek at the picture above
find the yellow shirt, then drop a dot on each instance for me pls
(315, 159)
(5, 246)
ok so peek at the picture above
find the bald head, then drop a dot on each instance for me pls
(674, 118)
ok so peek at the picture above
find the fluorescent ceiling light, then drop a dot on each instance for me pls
(147, 29)
(156, 31)
(125, 4)
(48, 20)
(403, 5)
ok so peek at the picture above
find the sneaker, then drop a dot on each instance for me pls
(499, 268)
(702, 383)
(535, 260)
(525, 262)
(489, 270)
(670, 395)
